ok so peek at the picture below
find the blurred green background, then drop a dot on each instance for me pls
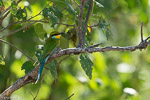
(116, 75)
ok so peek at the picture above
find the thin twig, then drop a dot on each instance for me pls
(142, 31)
(69, 97)
(31, 94)
(66, 24)
(40, 11)
(76, 3)
(39, 88)
(16, 30)
(19, 22)
(86, 21)
(95, 45)
(58, 62)
(1, 40)
(94, 25)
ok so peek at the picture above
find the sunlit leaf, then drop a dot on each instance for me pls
(86, 64)
(27, 66)
(13, 4)
(52, 65)
(13, 9)
(98, 4)
(2, 62)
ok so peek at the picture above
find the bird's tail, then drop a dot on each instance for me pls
(40, 70)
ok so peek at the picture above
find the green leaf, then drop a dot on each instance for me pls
(53, 18)
(27, 66)
(2, 62)
(52, 65)
(60, 3)
(45, 12)
(56, 11)
(21, 14)
(98, 4)
(39, 30)
(86, 64)
(50, 12)
(13, 9)
(70, 8)
(14, 4)
(1, 3)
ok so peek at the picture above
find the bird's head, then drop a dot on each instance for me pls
(56, 35)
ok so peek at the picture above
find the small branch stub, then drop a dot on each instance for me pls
(141, 31)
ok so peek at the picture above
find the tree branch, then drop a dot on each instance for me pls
(31, 76)
(5, 35)
(80, 38)
(142, 31)
(1, 40)
(86, 21)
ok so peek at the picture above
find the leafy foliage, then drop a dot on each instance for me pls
(53, 14)
(52, 65)
(2, 62)
(86, 64)
(104, 26)
(27, 66)
(70, 8)
(1, 3)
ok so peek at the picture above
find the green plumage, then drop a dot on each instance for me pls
(49, 47)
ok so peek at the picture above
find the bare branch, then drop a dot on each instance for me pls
(69, 97)
(80, 24)
(1, 40)
(76, 3)
(86, 21)
(142, 31)
(66, 24)
(31, 76)
(94, 25)
(19, 22)
(16, 30)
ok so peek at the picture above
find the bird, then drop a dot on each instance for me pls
(49, 48)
